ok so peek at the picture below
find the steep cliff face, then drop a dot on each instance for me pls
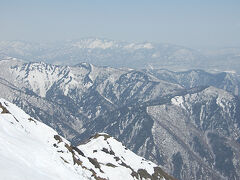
(195, 136)
(200, 130)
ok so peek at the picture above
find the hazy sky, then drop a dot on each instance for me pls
(193, 23)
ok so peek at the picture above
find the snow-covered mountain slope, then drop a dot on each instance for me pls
(28, 149)
(32, 150)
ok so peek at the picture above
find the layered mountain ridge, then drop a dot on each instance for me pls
(175, 119)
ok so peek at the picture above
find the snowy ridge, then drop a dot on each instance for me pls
(123, 162)
(32, 150)
(41, 77)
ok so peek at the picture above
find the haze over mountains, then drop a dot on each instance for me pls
(187, 122)
(113, 53)
(118, 90)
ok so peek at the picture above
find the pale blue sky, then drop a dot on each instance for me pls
(193, 23)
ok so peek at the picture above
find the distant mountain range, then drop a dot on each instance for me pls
(186, 122)
(105, 52)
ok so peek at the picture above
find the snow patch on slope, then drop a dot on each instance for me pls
(26, 149)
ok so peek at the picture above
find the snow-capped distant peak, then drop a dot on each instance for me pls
(136, 46)
(94, 43)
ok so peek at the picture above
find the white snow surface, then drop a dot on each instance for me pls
(107, 149)
(30, 150)
(27, 152)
